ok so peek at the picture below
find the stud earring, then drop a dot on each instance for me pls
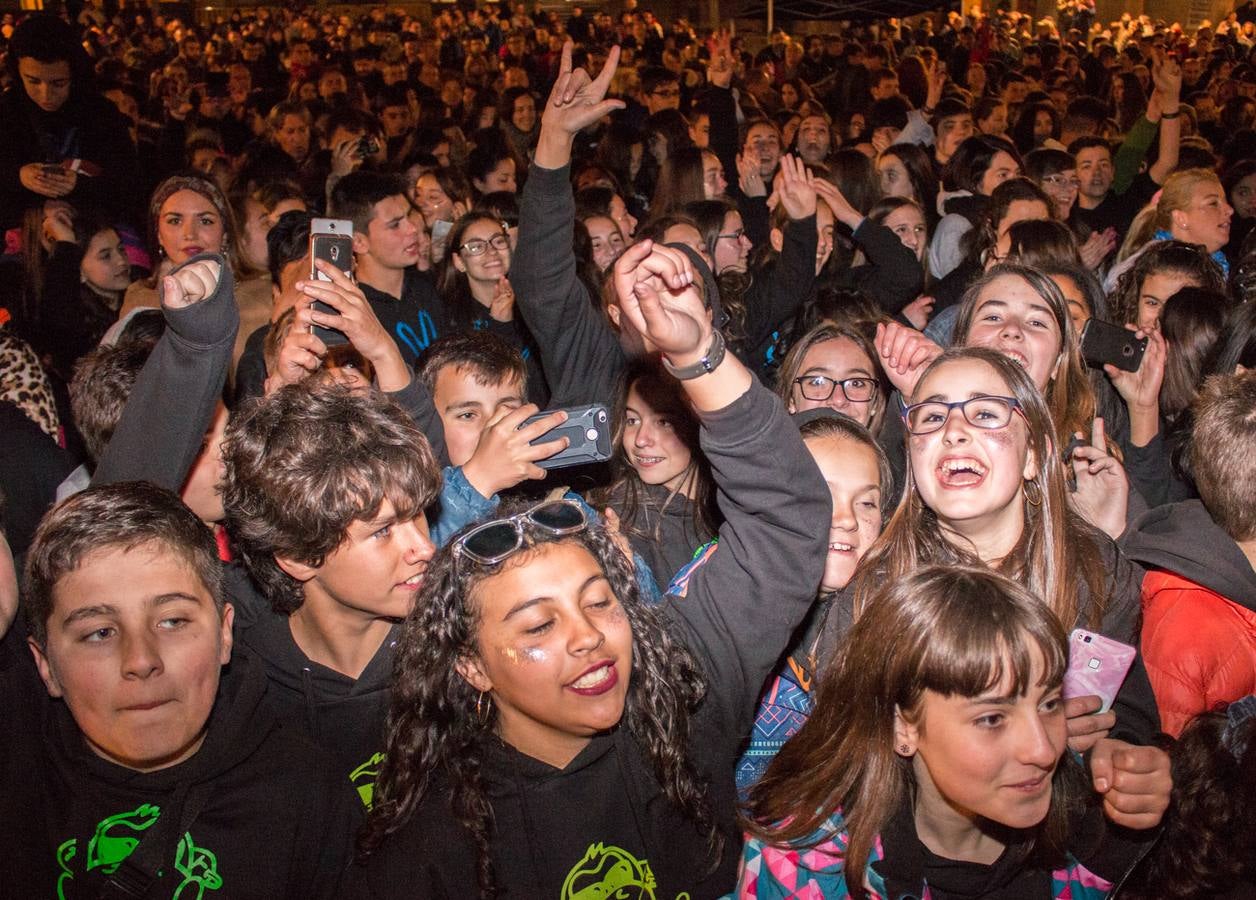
(904, 749)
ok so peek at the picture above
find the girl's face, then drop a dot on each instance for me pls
(501, 178)
(1062, 188)
(732, 247)
(1243, 197)
(909, 224)
(824, 234)
(990, 757)
(854, 479)
(1157, 288)
(654, 449)
(1043, 126)
(607, 242)
(432, 200)
(554, 648)
(492, 263)
(895, 182)
(789, 95)
(188, 224)
(1011, 318)
(971, 477)
(105, 267)
(1207, 220)
(996, 122)
(713, 181)
(1078, 305)
(1002, 167)
(837, 359)
(523, 114)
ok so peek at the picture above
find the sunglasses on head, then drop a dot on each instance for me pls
(497, 540)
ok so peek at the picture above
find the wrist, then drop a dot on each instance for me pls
(478, 475)
(701, 361)
(553, 151)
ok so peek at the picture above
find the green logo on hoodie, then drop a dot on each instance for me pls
(116, 838)
(363, 778)
(607, 872)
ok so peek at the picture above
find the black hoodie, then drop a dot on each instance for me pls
(275, 822)
(345, 716)
(602, 823)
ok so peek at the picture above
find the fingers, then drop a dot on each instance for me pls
(602, 83)
(1082, 706)
(610, 519)
(544, 425)
(512, 417)
(672, 266)
(1097, 438)
(544, 450)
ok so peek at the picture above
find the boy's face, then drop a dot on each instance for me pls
(391, 238)
(465, 407)
(135, 647)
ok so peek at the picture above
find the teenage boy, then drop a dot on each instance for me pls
(1106, 198)
(477, 382)
(1199, 597)
(325, 491)
(141, 766)
(386, 246)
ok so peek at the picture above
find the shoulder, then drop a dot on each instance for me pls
(808, 869)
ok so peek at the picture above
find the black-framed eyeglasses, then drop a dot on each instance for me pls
(821, 387)
(733, 235)
(477, 246)
(494, 541)
(990, 413)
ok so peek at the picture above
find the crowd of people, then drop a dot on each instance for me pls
(919, 357)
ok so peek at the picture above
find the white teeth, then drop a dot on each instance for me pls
(838, 545)
(414, 579)
(593, 679)
(951, 466)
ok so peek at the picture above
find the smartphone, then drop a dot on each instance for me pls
(1096, 665)
(331, 240)
(1103, 343)
(588, 431)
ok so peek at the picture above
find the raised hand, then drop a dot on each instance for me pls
(1086, 725)
(503, 306)
(58, 226)
(575, 103)
(748, 177)
(190, 284)
(720, 71)
(917, 312)
(1103, 490)
(904, 354)
(1140, 389)
(354, 318)
(300, 353)
(1166, 75)
(655, 288)
(837, 202)
(795, 188)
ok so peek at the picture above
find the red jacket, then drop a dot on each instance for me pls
(1199, 648)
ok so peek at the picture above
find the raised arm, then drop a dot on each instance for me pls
(1168, 79)
(744, 604)
(164, 422)
(574, 339)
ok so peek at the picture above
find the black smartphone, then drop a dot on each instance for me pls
(331, 240)
(1113, 345)
(588, 432)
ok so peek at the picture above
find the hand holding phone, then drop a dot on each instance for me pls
(1104, 344)
(1097, 666)
(331, 240)
(588, 433)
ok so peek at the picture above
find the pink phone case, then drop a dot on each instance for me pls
(1096, 666)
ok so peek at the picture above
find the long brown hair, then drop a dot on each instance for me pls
(1057, 551)
(1069, 396)
(953, 630)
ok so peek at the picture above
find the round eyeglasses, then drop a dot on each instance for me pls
(990, 413)
(477, 246)
(821, 387)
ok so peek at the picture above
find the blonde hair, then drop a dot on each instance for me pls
(1176, 195)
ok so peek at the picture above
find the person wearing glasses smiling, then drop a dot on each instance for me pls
(551, 730)
(477, 294)
(986, 487)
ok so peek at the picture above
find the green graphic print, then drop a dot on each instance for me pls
(116, 838)
(363, 778)
(610, 873)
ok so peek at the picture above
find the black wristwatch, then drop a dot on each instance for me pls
(709, 362)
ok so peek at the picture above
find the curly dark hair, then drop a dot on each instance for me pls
(435, 739)
(1208, 847)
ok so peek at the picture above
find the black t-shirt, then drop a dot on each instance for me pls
(415, 319)
(1117, 210)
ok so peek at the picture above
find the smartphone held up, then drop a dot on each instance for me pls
(331, 240)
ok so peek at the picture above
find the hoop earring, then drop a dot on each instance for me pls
(483, 709)
(1033, 497)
